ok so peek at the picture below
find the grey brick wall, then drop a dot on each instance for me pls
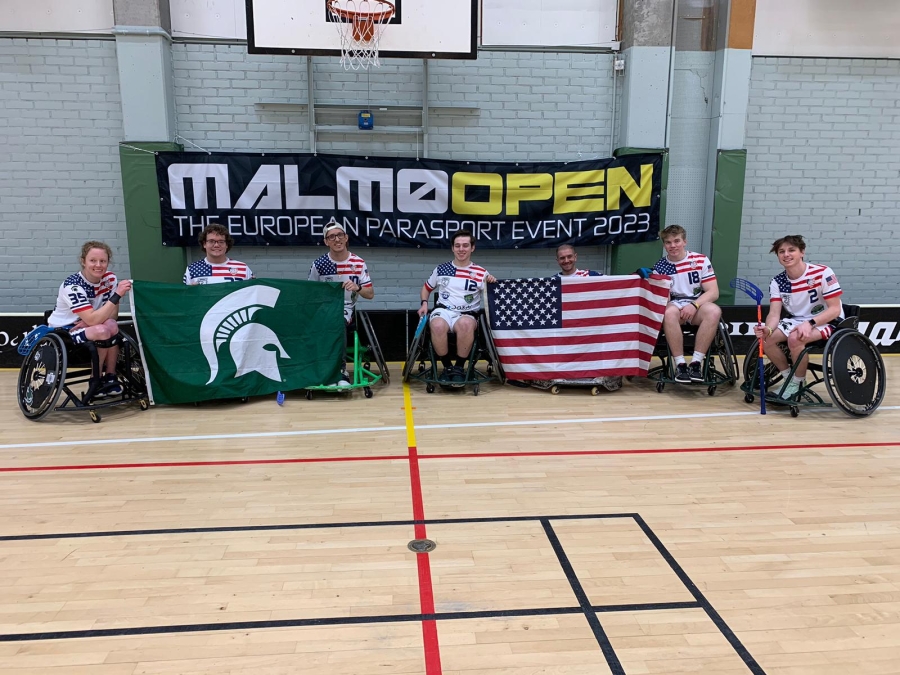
(530, 107)
(60, 181)
(823, 160)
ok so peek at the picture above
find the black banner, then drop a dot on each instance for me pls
(283, 199)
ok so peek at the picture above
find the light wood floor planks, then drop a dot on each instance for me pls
(797, 549)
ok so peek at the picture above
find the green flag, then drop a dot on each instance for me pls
(238, 339)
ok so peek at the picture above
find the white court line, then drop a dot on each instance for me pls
(325, 432)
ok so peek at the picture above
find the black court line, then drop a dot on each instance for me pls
(615, 666)
(584, 607)
(719, 622)
(338, 621)
(305, 526)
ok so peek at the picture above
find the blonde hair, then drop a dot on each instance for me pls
(88, 245)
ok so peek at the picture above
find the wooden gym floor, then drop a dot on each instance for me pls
(631, 532)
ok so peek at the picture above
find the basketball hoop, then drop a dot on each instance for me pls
(360, 25)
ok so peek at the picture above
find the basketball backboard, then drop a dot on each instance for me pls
(432, 29)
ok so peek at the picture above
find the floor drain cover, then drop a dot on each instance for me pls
(421, 546)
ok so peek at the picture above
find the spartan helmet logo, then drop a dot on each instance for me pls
(229, 320)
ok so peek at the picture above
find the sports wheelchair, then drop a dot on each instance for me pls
(421, 352)
(851, 368)
(361, 355)
(719, 367)
(55, 365)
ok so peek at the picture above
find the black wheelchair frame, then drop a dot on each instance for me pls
(421, 351)
(720, 349)
(46, 374)
(852, 370)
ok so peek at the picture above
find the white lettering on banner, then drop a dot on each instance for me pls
(365, 178)
(414, 201)
(883, 333)
(263, 191)
(294, 200)
(198, 174)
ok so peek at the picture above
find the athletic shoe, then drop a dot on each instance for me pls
(681, 374)
(789, 390)
(696, 371)
(342, 383)
(109, 386)
(446, 375)
(457, 375)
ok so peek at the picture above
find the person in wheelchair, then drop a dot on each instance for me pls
(811, 296)
(459, 283)
(87, 305)
(692, 299)
(567, 259)
(216, 267)
(341, 266)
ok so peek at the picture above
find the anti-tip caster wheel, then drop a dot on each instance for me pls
(308, 395)
(144, 403)
(367, 391)
(795, 411)
(429, 388)
(554, 389)
(711, 391)
(749, 398)
(95, 417)
(475, 390)
(595, 391)
(660, 386)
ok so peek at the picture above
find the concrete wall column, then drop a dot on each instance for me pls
(143, 39)
(647, 49)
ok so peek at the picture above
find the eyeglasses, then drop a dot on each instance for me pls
(336, 237)
(216, 242)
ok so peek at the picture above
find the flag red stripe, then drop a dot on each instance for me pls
(501, 342)
(578, 374)
(646, 303)
(576, 358)
(587, 322)
(602, 285)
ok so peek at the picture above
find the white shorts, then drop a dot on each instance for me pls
(451, 316)
(681, 302)
(789, 325)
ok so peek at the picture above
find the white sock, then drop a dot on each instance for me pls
(785, 373)
(699, 356)
(679, 360)
(799, 379)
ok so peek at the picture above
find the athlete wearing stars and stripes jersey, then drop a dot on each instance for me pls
(459, 288)
(352, 269)
(206, 272)
(77, 294)
(687, 275)
(804, 297)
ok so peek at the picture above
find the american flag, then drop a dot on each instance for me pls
(576, 327)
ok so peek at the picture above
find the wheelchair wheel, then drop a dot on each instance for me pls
(725, 352)
(414, 348)
(374, 347)
(490, 348)
(42, 377)
(130, 369)
(751, 362)
(854, 373)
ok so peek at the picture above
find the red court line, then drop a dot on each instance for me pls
(461, 455)
(426, 591)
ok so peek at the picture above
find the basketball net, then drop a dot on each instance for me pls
(360, 25)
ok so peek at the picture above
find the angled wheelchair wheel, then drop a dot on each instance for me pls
(854, 373)
(489, 347)
(725, 352)
(415, 348)
(130, 368)
(751, 362)
(374, 347)
(42, 377)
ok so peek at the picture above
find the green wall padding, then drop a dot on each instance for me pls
(728, 207)
(150, 260)
(626, 258)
